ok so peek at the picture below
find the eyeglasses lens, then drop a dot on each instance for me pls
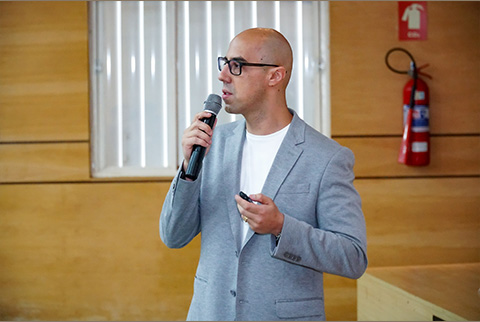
(234, 66)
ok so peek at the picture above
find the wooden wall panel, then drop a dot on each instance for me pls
(340, 298)
(90, 252)
(450, 156)
(44, 78)
(367, 97)
(421, 221)
(44, 162)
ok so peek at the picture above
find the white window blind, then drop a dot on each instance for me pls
(153, 63)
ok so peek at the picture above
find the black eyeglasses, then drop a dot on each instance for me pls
(235, 66)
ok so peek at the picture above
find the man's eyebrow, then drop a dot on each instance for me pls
(239, 59)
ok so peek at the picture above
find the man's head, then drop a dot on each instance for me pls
(256, 86)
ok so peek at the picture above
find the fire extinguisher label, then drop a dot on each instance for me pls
(419, 95)
(420, 118)
(419, 146)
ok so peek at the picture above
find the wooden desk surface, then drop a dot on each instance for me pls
(452, 287)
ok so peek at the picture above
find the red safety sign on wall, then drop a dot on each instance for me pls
(412, 20)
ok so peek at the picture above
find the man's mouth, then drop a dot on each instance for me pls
(226, 94)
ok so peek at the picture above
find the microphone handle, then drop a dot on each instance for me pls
(198, 153)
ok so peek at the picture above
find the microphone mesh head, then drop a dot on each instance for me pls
(213, 104)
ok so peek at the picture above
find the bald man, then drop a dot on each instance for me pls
(264, 259)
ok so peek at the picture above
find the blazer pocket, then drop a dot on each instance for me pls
(295, 188)
(291, 309)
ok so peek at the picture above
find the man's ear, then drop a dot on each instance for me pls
(277, 75)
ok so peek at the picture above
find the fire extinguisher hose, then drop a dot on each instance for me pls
(409, 71)
(413, 72)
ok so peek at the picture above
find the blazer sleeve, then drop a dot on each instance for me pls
(338, 246)
(180, 216)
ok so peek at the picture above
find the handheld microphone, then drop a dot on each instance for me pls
(213, 104)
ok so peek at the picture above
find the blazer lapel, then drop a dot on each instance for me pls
(287, 155)
(232, 162)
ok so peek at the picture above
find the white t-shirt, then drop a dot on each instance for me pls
(259, 151)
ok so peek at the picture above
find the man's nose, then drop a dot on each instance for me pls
(224, 75)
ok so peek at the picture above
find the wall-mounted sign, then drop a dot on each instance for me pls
(412, 20)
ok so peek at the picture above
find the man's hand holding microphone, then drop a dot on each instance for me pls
(197, 138)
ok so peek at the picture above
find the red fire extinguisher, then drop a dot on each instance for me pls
(415, 146)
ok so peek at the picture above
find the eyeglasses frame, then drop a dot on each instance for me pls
(226, 61)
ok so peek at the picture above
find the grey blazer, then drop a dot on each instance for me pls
(324, 229)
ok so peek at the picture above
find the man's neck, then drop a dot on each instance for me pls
(268, 123)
